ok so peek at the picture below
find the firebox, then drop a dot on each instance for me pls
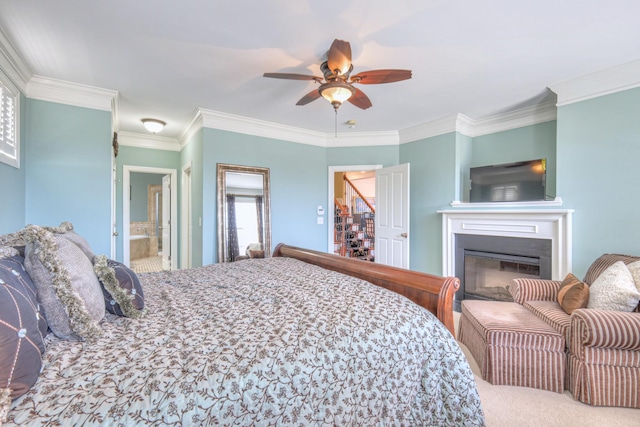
(486, 265)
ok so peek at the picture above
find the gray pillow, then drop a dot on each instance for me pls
(68, 289)
(65, 230)
(22, 331)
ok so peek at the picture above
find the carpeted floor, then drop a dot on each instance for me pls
(507, 406)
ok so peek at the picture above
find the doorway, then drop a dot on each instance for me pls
(351, 213)
(149, 204)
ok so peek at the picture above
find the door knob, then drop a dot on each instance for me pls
(115, 233)
(404, 235)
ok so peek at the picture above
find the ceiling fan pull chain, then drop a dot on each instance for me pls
(336, 124)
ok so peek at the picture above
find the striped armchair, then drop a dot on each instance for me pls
(603, 347)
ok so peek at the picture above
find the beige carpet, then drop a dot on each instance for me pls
(507, 406)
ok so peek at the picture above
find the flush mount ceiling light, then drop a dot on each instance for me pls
(153, 125)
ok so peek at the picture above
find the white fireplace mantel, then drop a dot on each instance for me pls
(552, 224)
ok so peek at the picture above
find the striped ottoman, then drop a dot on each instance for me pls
(512, 346)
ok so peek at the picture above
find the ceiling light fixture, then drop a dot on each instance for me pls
(336, 92)
(153, 125)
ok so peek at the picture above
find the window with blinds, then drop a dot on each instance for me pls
(9, 141)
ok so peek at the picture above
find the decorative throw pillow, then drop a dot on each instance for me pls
(634, 268)
(121, 287)
(66, 230)
(256, 254)
(68, 289)
(573, 294)
(614, 290)
(22, 332)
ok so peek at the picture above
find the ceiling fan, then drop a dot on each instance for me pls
(337, 84)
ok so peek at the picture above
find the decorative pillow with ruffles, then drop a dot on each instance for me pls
(68, 289)
(22, 330)
(121, 287)
(65, 230)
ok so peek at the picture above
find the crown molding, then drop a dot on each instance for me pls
(63, 92)
(363, 139)
(240, 124)
(244, 125)
(153, 142)
(600, 83)
(13, 64)
(190, 130)
(453, 123)
(498, 123)
(528, 116)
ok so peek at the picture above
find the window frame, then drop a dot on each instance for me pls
(12, 159)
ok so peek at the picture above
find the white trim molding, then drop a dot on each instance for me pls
(13, 64)
(63, 92)
(154, 142)
(600, 83)
(528, 116)
(239, 124)
(552, 224)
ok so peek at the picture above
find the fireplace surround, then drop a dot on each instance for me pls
(551, 225)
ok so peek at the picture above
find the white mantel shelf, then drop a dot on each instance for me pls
(552, 224)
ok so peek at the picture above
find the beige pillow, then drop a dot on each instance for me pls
(573, 294)
(634, 268)
(614, 290)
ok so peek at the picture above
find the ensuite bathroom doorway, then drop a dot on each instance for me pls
(149, 235)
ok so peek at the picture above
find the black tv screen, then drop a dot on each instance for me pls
(509, 182)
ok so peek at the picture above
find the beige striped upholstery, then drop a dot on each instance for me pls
(523, 290)
(552, 314)
(512, 346)
(604, 358)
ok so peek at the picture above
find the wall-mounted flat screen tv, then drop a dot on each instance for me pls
(509, 182)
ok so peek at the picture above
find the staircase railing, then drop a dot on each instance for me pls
(354, 225)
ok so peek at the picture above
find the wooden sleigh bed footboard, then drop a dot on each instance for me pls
(434, 293)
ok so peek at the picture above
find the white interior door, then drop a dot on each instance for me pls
(166, 222)
(392, 216)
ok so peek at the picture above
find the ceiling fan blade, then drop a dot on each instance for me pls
(381, 76)
(311, 96)
(339, 56)
(292, 76)
(360, 100)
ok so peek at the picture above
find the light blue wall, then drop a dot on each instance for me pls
(598, 175)
(432, 187)
(140, 183)
(133, 156)
(191, 154)
(385, 155)
(525, 143)
(12, 214)
(68, 152)
(298, 186)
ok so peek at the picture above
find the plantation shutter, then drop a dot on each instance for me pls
(7, 122)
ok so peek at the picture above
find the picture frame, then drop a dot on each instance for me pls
(358, 206)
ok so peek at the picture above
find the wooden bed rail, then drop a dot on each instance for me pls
(434, 293)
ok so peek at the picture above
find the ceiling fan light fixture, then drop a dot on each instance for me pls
(336, 92)
(153, 125)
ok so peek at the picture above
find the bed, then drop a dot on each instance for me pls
(299, 338)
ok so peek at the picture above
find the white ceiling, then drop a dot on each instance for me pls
(166, 58)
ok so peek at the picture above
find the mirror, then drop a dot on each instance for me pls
(244, 212)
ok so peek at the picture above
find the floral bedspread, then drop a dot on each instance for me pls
(258, 342)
